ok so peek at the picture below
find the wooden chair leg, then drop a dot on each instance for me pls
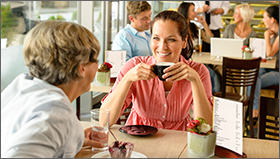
(251, 123)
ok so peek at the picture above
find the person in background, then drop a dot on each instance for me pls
(37, 117)
(133, 38)
(268, 77)
(243, 15)
(187, 10)
(213, 19)
(163, 104)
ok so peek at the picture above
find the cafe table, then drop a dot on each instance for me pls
(206, 58)
(94, 87)
(163, 144)
(173, 144)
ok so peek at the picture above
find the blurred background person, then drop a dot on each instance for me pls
(243, 15)
(268, 77)
(213, 17)
(133, 38)
(188, 11)
(37, 117)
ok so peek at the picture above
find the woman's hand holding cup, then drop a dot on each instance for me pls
(139, 72)
(180, 71)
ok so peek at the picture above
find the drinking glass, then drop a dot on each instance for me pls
(100, 125)
(198, 46)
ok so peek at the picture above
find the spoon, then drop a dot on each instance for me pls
(113, 135)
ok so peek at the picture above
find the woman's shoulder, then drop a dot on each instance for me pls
(231, 27)
(229, 31)
(253, 33)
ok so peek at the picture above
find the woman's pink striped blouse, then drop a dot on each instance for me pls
(151, 107)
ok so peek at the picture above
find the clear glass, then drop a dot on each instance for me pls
(201, 146)
(197, 46)
(100, 125)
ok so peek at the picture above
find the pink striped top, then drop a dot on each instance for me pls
(151, 107)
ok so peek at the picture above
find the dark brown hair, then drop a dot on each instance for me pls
(273, 11)
(184, 10)
(182, 26)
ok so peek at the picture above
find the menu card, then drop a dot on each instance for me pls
(259, 47)
(116, 59)
(228, 123)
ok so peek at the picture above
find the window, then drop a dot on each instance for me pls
(18, 17)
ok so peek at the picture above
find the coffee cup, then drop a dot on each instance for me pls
(159, 67)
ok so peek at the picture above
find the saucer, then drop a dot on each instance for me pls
(138, 130)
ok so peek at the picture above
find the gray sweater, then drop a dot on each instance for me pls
(229, 33)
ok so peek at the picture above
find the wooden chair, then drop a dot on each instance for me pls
(124, 116)
(240, 73)
(268, 118)
(275, 88)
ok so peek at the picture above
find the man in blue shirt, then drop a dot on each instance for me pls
(133, 38)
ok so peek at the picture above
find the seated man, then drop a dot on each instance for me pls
(37, 117)
(133, 38)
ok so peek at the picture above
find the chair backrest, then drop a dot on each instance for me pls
(240, 73)
(268, 127)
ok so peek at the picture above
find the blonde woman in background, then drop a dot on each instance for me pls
(243, 15)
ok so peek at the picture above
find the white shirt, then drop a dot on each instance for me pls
(143, 34)
(38, 121)
(215, 20)
(238, 37)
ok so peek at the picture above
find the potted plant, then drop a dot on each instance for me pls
(201, 139)
(103, 74)
(247, 52)
(8, 23)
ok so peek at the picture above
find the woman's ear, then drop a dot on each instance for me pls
(82, 70)
(273, 20)
(185, 42)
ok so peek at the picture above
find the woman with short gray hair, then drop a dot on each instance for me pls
(37, 117)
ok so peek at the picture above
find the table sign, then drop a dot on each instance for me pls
(228, 123)
(116, 59)
(259, 47)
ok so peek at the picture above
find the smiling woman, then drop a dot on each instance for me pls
(163, 104)
(243, 15)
